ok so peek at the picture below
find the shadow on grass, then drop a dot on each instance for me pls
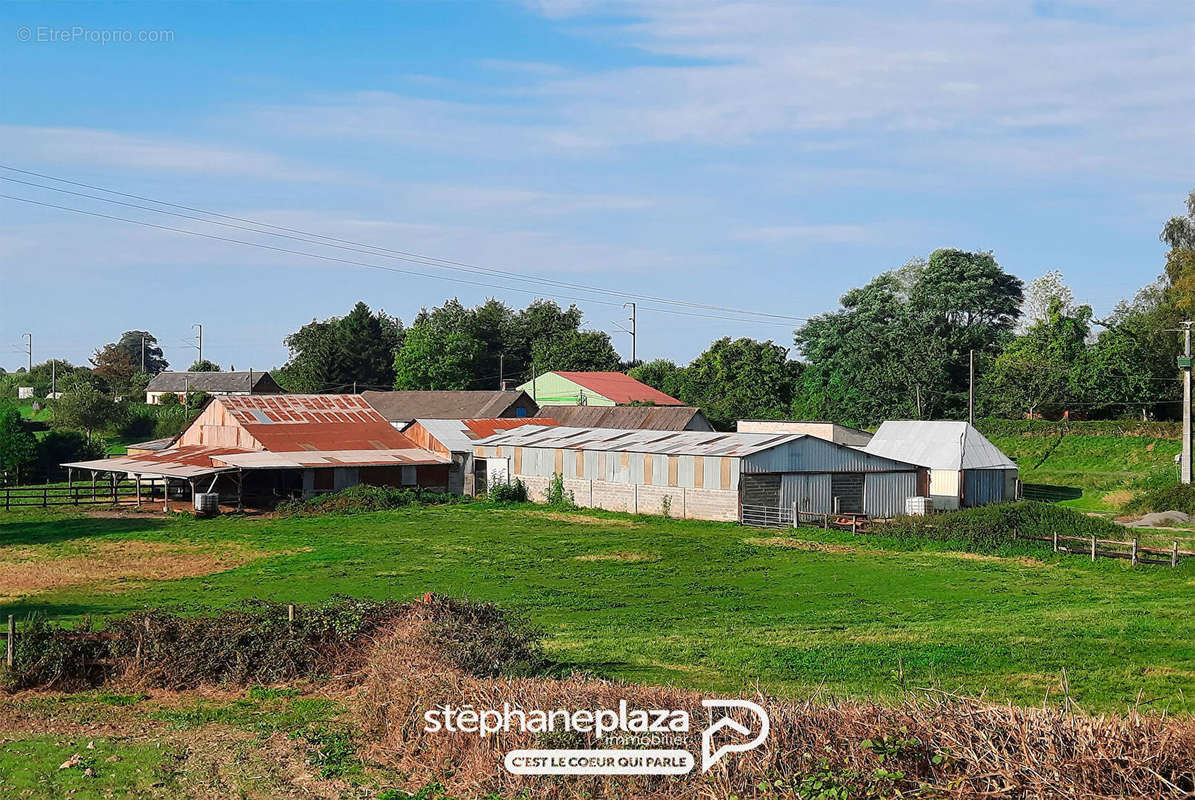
(51, 531)
(1049, 493)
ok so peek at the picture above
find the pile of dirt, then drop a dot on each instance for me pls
(934, 745)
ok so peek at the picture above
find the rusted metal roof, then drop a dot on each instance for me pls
(644, 418)
(333, 458)
(620, 388)
(179, 462)
(290, 423)
(459, 435)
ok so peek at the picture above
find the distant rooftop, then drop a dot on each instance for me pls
(410, 406)
(213, 382)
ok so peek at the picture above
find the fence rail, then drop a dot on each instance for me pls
(83, 494)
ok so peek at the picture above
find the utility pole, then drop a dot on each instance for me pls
(29, 336)
(1184, 363)
(634, 342)
(971, 388)
(200, 327)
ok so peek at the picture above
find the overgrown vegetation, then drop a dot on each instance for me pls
(509, 491)
(1172, 497)
(992, 528)
(362, 498)
(557, 495)
(484, 639)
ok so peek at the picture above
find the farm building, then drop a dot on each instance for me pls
(700, 475)
(180, 384)
(965, 468)
(830, 431)
(269, 446)
(640, 418)
(593, 389)
(455, 438)
(402, 408)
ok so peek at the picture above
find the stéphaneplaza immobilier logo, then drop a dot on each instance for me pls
(637, 741)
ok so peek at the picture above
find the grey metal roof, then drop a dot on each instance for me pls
(262, 383)
(452, 433)
(700, 443)
(655, 418)
(938, 445)
(408, 406)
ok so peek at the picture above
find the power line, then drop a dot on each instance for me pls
(375, 250)
(368, 265)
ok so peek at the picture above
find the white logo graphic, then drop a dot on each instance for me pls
(710, 757)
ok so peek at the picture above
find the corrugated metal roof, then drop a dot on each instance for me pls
(611, 439)
(643, 418)
(180, 462)
(459, 435)
(153, 444)
(290, 423)
(619, 387)
(213, 382)
(408, 406)
(333, 458)
(938, 445)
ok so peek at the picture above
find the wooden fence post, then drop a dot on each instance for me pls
(290, 614)
(825, 522)
(1174, 554)
(1134, 551)
(1093, 548)
(1055, 541)
(12, 635)
(854, 524)
(45, 496)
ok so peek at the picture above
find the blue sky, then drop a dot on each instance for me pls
(756, 155)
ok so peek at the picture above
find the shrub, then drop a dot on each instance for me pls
(363, 498)
(60, 446)
(1172, 497)
(557, 495)
(169, 399)
(990, 528)
(253, 642)
(55, 656)
(483, 639)
(508, 492)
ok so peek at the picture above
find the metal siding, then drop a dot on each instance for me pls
(884, 493)
(982, 487)
(686, 472)
(593, 465)
(810, 454)
(659, 471)
(713, 473)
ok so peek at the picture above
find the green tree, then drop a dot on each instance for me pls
(114, 368)
(18, 448)
(1045, 367)
(130, 342)
(335, 354)
(577, 351)
(1179, 234)
(433, 358)
(662, 374)
(204, 366)
(85, 407)
(740, 379)
(61, 446)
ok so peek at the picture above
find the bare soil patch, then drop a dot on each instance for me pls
(585, 519)
(116, 563)
(639, 557)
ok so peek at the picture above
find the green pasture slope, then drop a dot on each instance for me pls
(707, 605)
(1106, 460)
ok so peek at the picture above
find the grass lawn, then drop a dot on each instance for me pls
(1108, 469)
(706, 605)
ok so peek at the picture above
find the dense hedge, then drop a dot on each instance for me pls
(1172, 497)
(362, 498)
(993, 527)
(992, 426)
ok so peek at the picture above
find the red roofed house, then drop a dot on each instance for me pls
(271, 446)
(455, 438)
(593, 389)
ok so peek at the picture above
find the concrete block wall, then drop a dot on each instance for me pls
(712, 504)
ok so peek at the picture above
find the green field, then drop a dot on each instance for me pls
(1108, 469)
(705, 605)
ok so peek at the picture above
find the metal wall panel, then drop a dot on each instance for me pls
(810, 454)
(686, 475)
(982, 487)
(810, 491)
(884, 493)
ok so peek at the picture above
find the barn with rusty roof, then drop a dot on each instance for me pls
(271, 446)
(701, 475)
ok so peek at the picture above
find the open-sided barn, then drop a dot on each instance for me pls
(701, 475)
(283, 445)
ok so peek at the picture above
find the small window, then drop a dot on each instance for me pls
(520, 412)
(408, 475)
